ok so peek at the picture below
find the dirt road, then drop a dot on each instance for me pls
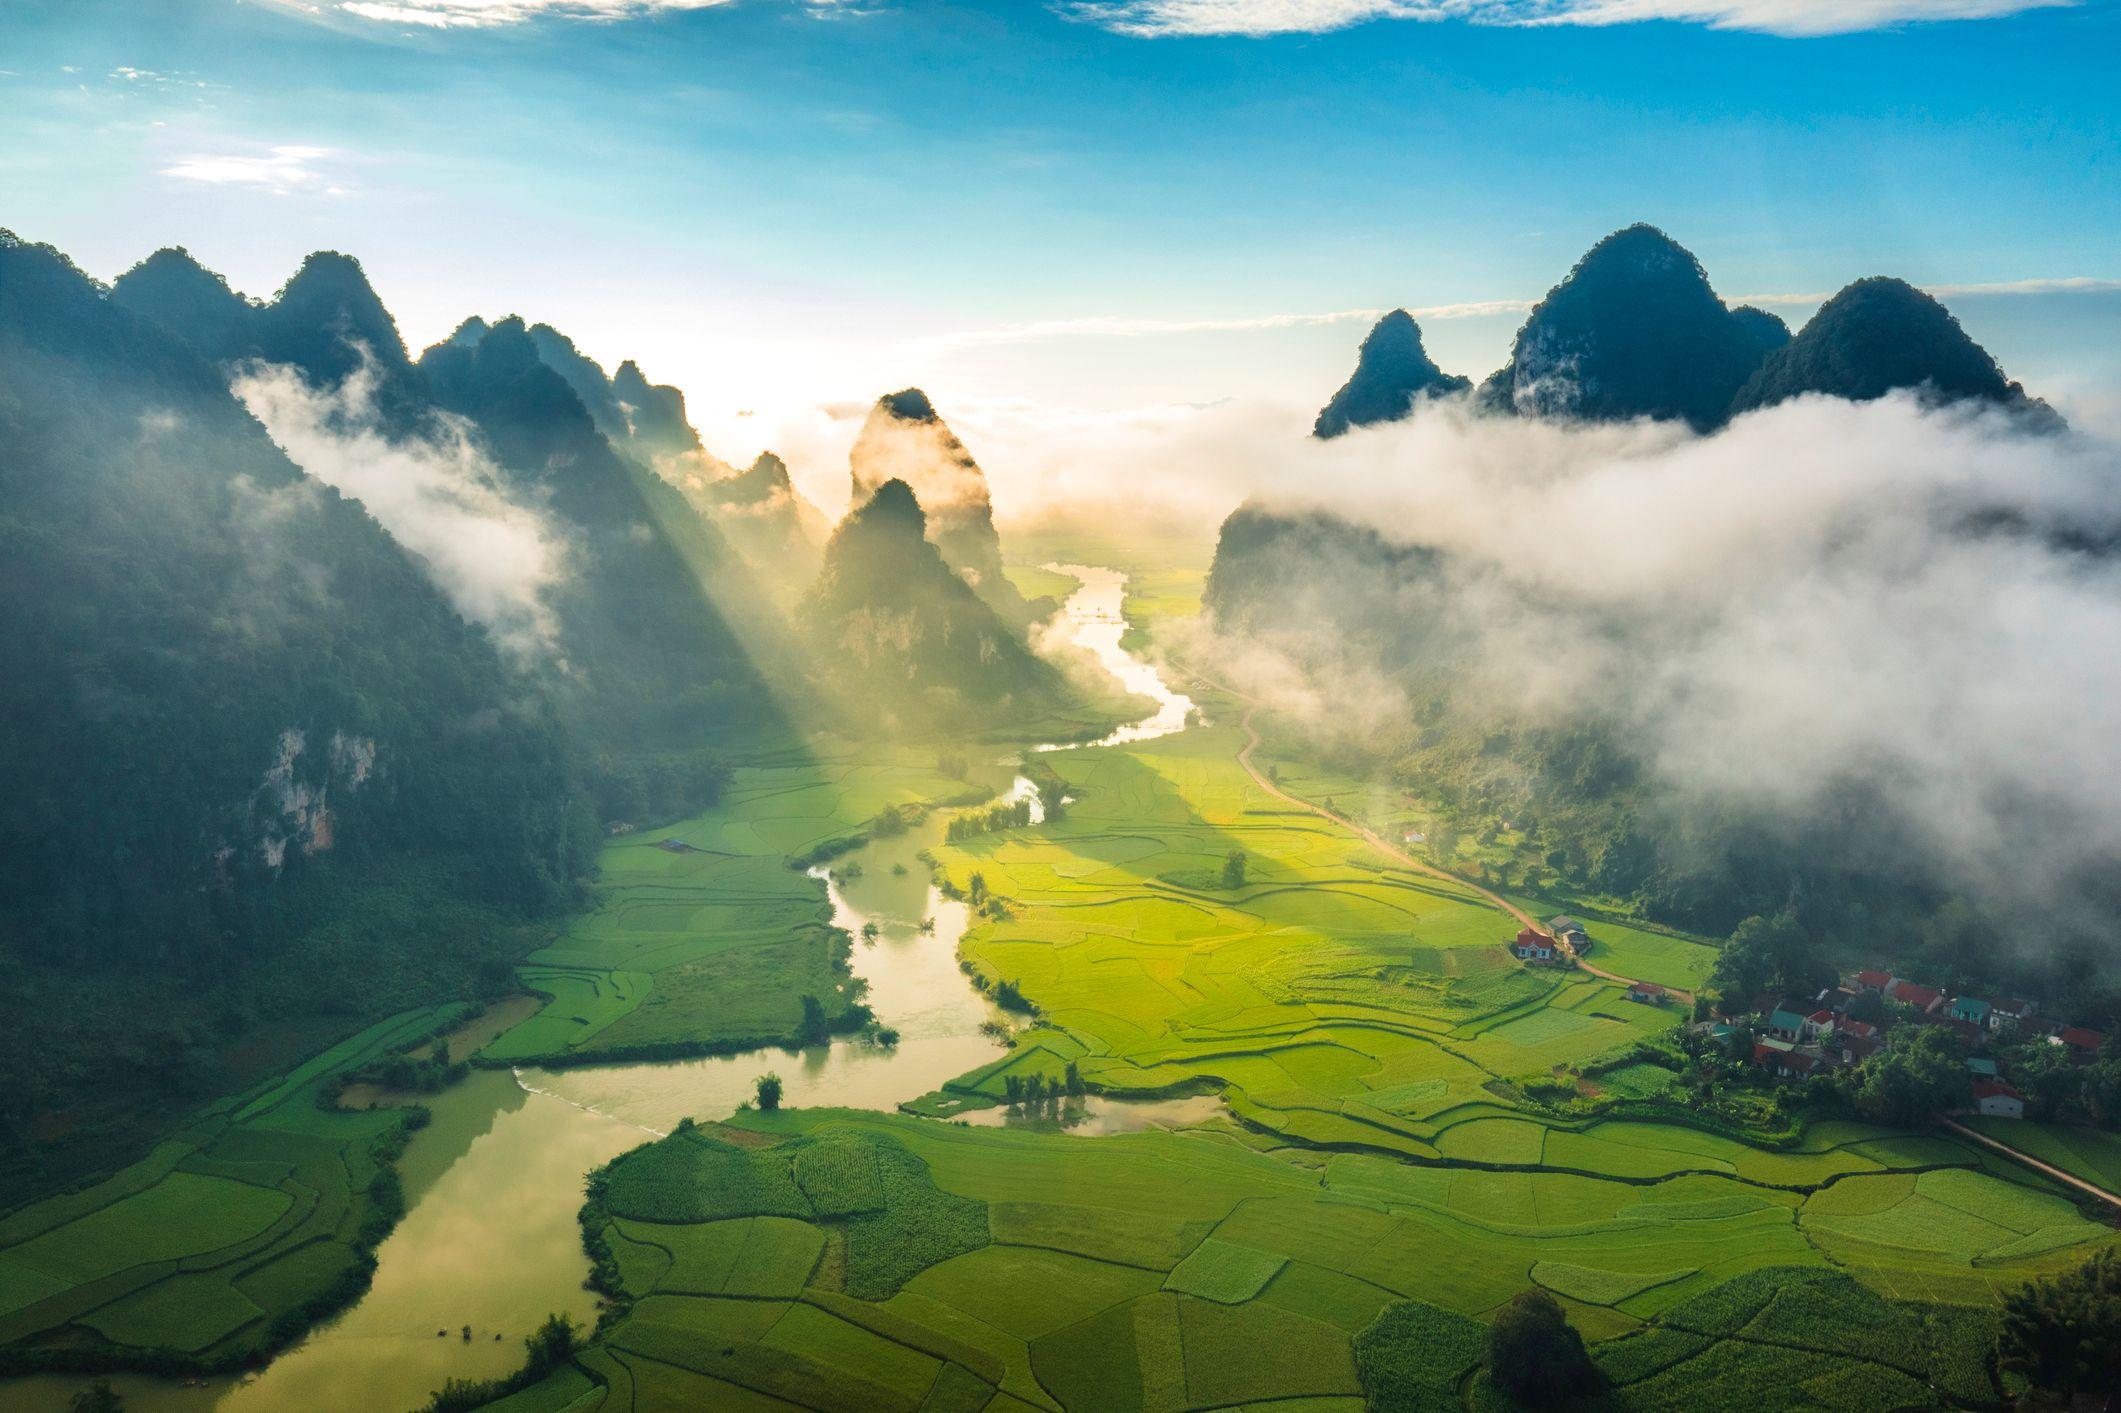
(2048, 1169)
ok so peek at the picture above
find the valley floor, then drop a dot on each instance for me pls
(1375, 1180)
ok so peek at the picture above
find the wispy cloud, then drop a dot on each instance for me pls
(489, 14)
(1114, 326)
(1155, 18)
(278, 169)
(1120, 327)
(2072, 285)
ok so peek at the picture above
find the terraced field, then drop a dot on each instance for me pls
(1334, 998)
(225, 1240)
(1380, 1184)
(833, 1259)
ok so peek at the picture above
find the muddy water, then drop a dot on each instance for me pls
(914, 986)
(1095, 623)
(494, 1183)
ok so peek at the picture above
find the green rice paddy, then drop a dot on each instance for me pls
(226, 1238)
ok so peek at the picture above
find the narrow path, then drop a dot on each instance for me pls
(1393, 851)
(2089, 1189)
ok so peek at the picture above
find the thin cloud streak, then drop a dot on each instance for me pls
(1117, 326)
(1789, 18)
(1114, 326)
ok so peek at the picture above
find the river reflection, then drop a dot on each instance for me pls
(914, 986)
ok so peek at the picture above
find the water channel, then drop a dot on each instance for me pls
(493, 1184)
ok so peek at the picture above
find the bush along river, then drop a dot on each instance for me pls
(489, 1244)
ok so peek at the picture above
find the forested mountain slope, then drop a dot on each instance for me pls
(234, 704)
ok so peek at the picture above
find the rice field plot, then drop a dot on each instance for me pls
(1192, 1272)
(2088, 1153)
(259, 1208)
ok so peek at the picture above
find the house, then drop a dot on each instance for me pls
(1873, 980)
(2009, 1010)
(1532, 945)
(1780, 1057)
(1835, 999)
(1817, 1027)
(1857, 1041)
(1785, 1024)
(1998, 1100)
(2082, 1043)
(1971, 1009)
(1647, 992)
(1981, 1068)
(1907, 993)
(1569, 932)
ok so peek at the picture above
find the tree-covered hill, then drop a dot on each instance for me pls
(235, 705)
(770, 522)
(905, 439)
(906, 638)
(651, 656)
(1634, 331)
(1878, 336)
(1391, 371)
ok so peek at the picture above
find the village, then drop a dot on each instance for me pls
(1793, 1039)
(1845, 1025)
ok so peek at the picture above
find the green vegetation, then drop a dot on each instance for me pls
(2064, 1334)
(703, 937)
(1535, 1356)
(229, 1240)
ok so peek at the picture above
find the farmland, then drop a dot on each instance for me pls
(224, 1242)
(1375, 1173)
(1378, 1181)
(702, 937)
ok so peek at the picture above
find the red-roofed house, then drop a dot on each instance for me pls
(1998, 1100)
(1922, 998)
(1818, 1025)
(1873, 980)
(2082, 1043)
(1532, 945)
(1647, 992)
(1857, 1047)
(1782, 1058)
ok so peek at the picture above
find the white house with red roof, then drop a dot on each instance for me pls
(1997, 1100)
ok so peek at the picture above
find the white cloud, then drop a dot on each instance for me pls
(1150, 18)
(488, 14)
(437, 494)
(279, 169)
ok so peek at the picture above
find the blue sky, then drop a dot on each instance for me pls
(785, 205)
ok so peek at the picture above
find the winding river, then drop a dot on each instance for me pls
(492, 1185)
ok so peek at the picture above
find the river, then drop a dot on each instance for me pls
(493, 1184)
